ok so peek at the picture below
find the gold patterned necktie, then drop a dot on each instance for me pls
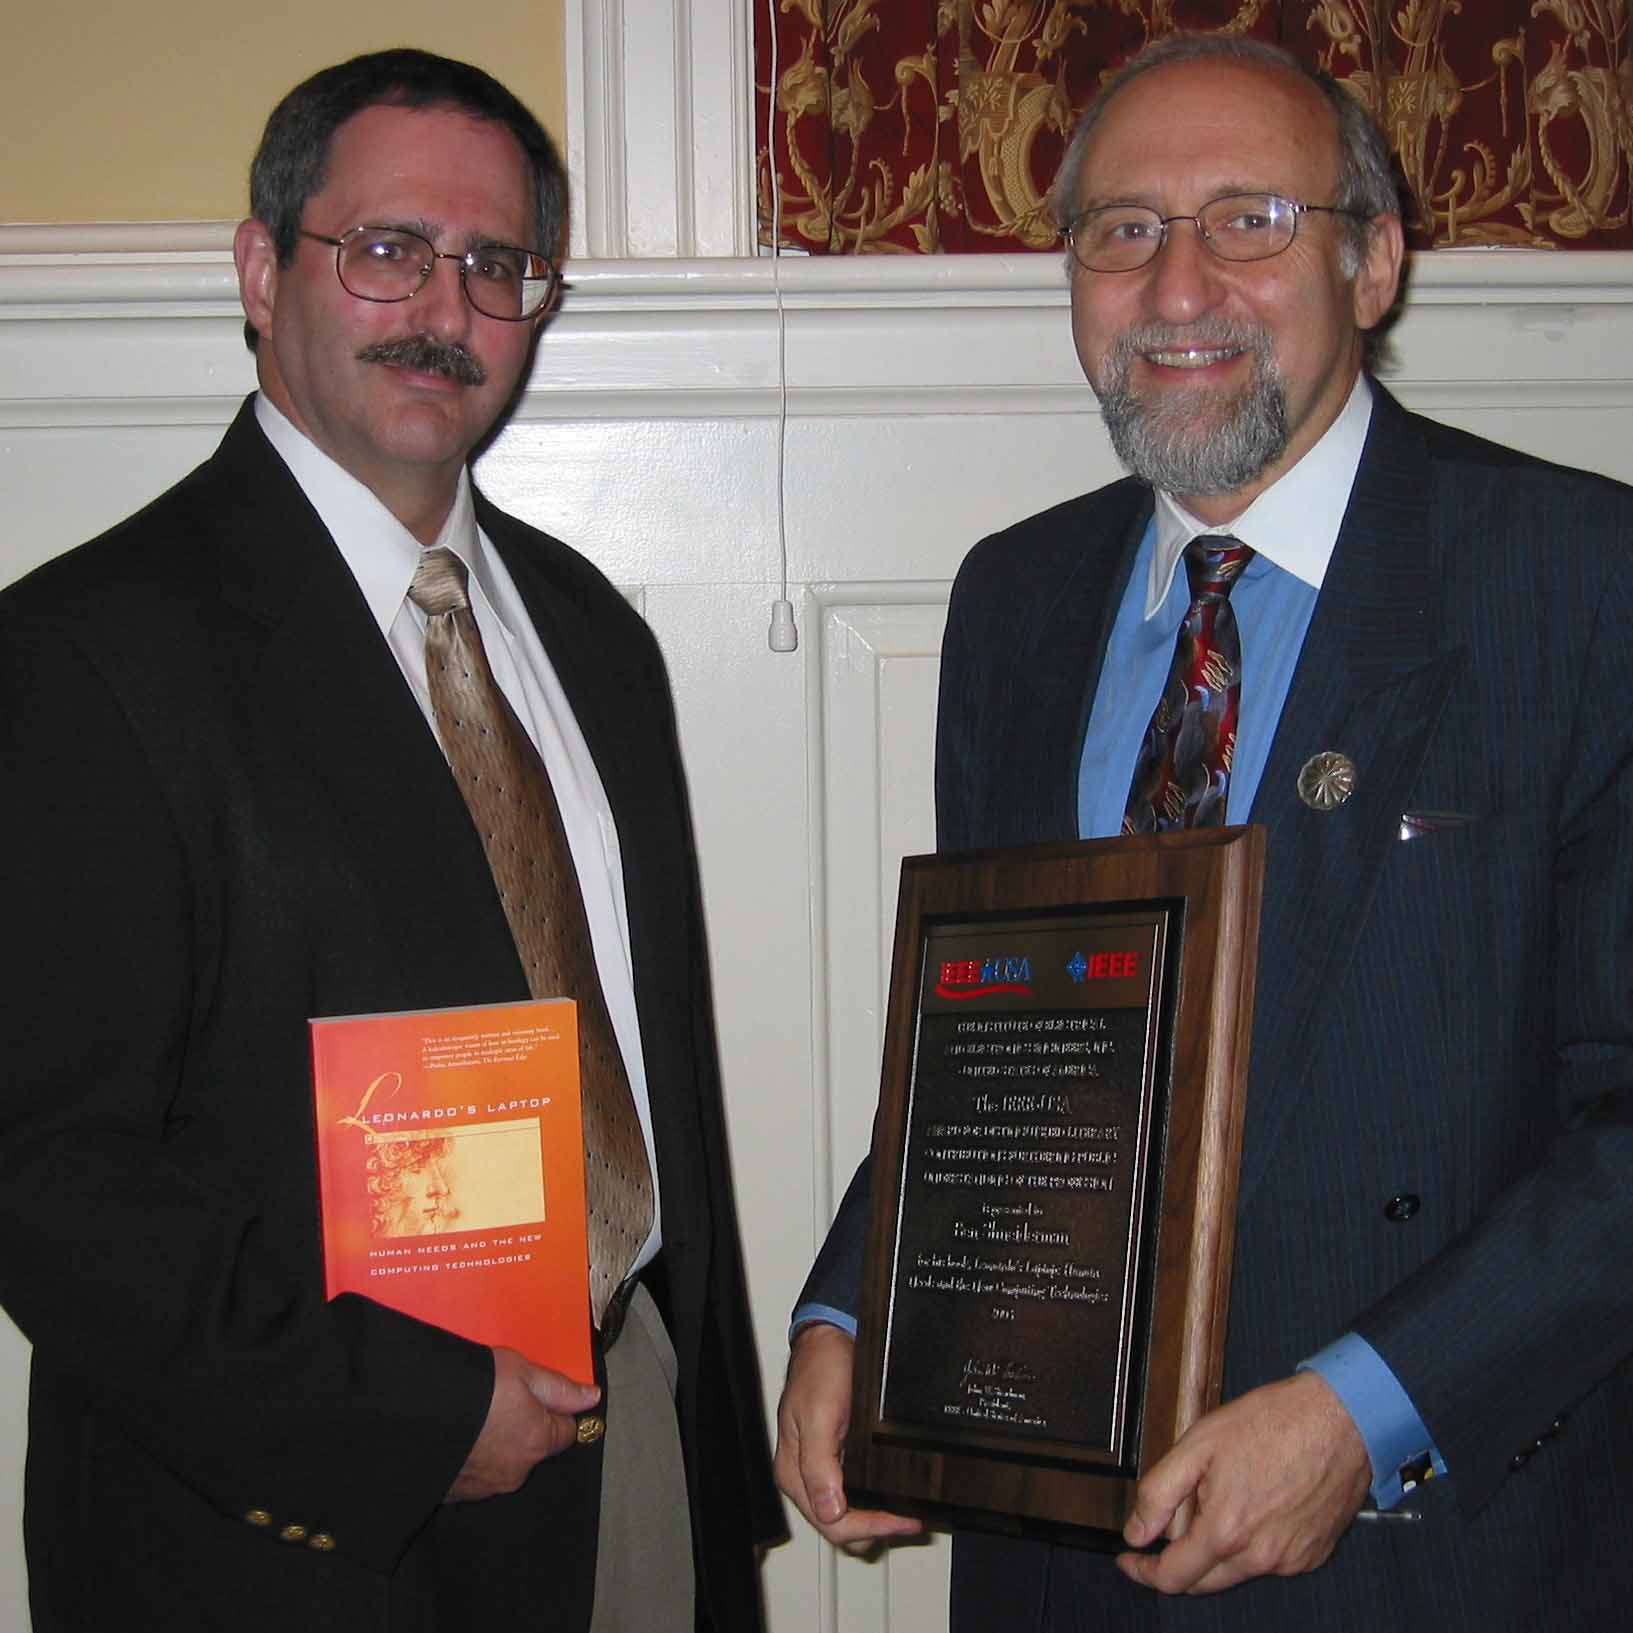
(508, 793)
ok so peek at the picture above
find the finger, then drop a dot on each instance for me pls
(1165, 1487)
(863, 1528)
(556, 1392)
(820, 1475)
(560, 1435)
(1145, 1569)
(854, 1529)
(1181, 1567)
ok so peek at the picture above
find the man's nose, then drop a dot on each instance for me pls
(1185, 278)
(440, 305)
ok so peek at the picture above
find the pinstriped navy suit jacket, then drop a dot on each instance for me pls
(1449, 1016)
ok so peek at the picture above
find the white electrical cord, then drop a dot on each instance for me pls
(783, 635)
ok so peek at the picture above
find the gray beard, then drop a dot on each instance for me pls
(1191, 442)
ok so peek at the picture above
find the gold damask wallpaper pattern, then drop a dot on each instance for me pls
(935, 125)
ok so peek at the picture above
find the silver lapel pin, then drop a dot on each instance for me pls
(1326, 780)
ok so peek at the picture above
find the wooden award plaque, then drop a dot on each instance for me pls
(1054, 1177)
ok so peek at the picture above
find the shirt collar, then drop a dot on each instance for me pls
(381, 553)
(1294, 523)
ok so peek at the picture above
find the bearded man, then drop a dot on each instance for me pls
(1403, 651)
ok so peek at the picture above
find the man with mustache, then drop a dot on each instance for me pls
(1416, 682)
(244, 754)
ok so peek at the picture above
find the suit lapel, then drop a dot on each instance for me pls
(1068, 653)
(327, 685)
(1370, 683)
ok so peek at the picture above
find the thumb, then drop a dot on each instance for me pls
(828, 1503)
(823, 1483)
(556, 1392)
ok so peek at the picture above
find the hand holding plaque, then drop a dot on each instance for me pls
(812, 1418)
(1054, 1177)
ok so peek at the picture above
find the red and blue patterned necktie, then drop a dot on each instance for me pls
(1183, 771)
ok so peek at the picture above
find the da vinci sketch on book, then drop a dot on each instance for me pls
(483, 1176)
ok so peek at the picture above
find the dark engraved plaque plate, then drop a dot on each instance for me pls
(1054, 1177)
(1025, 1175)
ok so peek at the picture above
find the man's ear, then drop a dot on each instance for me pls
(1378, 279)
(256, 257)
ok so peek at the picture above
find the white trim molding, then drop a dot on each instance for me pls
(660, 127)
(867, 335)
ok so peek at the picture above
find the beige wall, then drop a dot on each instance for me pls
(151, 112)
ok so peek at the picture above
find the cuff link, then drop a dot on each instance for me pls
(1415, 1471)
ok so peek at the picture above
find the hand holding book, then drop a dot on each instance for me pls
(531, 1418)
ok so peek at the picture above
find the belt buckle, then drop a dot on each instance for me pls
(612, 1318)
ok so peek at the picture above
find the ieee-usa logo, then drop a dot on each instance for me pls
(979, 977)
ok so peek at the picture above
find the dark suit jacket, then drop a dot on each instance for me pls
(223, 814)
(1447, 1019)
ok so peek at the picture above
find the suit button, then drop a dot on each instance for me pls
(257, 1516)
(1554, 1427)
(1518, 1461)
(322, 1541)
(590, 1429)
(1398, 1209)
(292, 1533)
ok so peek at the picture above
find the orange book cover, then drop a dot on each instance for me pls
(451, 1171)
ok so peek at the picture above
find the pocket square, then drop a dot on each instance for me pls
(1420, 824)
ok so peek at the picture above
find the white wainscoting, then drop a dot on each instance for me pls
(928, 402)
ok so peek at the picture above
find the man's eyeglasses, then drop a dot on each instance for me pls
(393, 264)
(1238, 227)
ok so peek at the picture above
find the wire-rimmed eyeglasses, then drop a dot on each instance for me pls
(1237, 227)
(394, 264)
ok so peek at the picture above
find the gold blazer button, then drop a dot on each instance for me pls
(292, 1533)
(590, 1429)
(257, 1516)
(322, 1541)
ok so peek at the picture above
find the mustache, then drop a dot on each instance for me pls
(427, 356)
(1206, 334)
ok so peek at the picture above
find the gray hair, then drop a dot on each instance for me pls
(1366, 179)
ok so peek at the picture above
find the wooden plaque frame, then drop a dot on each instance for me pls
(1065, 1062)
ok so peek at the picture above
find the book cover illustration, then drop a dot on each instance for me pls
(451, 1171)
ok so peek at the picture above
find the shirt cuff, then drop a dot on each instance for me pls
(1397, 1440)
(807, 1313)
